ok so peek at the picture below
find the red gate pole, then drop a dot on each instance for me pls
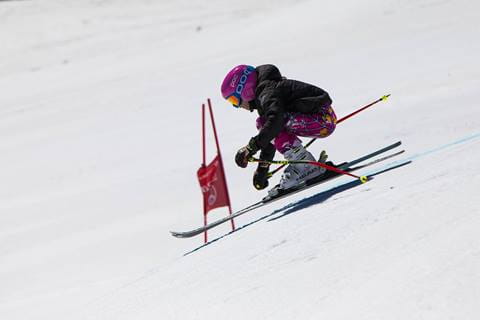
(220, 160)
(204, 164)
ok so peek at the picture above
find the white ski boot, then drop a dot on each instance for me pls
(296, 175)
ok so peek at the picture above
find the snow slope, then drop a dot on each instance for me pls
(100, 143)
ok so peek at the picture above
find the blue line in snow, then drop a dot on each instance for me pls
(425, 153)
(448, 145)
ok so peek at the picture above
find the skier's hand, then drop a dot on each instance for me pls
(260, 177)
(245, 153)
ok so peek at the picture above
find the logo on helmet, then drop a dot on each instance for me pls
(234, 81)
(243, 80)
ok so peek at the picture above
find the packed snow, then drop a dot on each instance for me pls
(100, 141)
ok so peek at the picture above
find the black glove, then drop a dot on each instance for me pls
(245, 153)
(260, 177)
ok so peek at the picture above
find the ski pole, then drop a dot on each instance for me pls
(363, 179)
(385, 97)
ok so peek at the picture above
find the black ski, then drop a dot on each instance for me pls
(348, 166)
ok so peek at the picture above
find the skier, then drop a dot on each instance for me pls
(287, 109)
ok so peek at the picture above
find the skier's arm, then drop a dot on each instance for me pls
(267, 153)
(275, 120)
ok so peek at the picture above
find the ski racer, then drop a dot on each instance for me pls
(287, 109)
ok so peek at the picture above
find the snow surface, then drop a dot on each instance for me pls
(100, 143)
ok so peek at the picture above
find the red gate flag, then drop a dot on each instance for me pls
(212, 183)
(212, 177)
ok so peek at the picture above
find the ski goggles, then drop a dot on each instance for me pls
(235, 99)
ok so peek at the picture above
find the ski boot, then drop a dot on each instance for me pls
(296, 175)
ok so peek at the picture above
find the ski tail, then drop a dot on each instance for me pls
(371, 155)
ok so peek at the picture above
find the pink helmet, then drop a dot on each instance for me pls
(239, 85)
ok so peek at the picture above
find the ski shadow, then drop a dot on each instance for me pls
(302, 204)
(325, 195)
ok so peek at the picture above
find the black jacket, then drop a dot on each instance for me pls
(276, 96)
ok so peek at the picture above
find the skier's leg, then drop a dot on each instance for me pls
(288, 144)
(284, 141)
(317, 125)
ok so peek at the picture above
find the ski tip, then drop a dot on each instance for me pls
(385, 97)
(175, 234)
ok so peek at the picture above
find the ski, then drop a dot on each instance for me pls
(371, 155)
(348, 166)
